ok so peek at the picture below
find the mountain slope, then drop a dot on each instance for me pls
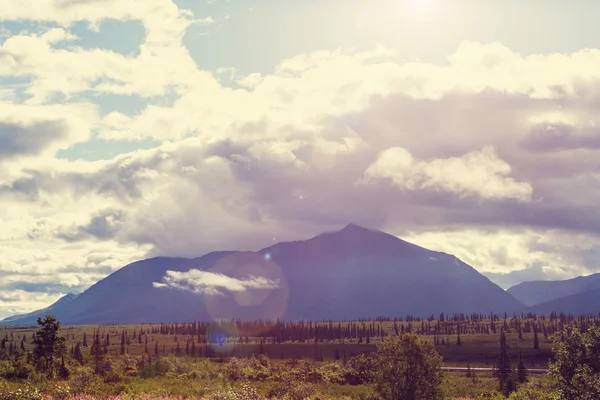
(538, 292)
(32, 316)
(583, 303)
(350, 274)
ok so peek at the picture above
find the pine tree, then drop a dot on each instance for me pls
(85, 342)
(122, 342)
(47, 344)
(503, 369)
(536, 342)
(521, 370)
(97, 352)
(77, 355)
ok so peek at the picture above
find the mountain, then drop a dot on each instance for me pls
(583, 303)
(538, 292)
(350, 274)
(32, 316)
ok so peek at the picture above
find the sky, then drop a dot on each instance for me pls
(137, 128)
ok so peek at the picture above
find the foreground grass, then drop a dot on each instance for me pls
(186, 378)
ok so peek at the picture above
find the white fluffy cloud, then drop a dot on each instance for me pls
(212, 283)
(492, 156)
(479, 173)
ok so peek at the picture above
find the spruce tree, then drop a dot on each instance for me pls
(536, 342)
(503, 370)
(77, 355)
(97, 352)
(47, 344)
(521, 370)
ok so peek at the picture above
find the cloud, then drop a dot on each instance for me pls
(41, 130)
(479, 173)
(17, 140)
(465, 156)
(211, 283)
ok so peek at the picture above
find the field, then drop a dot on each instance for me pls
(478, 349)
(196, 358)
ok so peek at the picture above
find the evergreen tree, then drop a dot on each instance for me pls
(85, 342)
(77, 355)
(536, 342)
(47, 344)
(97, 352)
(503, 369)
(521, 370)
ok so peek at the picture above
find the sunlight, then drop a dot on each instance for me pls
(419, 5)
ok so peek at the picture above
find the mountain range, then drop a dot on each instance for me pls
(345, 275)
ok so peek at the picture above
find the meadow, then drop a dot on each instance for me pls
(272, 360)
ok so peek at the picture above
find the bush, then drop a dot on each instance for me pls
(361, 369)
(85, 381)
(16, 369)
(528, 393)
(408, 368)
(577, 365)
(333, 373)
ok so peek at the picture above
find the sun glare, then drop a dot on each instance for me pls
(419, 5)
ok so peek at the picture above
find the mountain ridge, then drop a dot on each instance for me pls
(532, 293)
(347, 274)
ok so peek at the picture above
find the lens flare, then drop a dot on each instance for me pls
(264, 302)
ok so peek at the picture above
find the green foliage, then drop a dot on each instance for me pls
(17, 368)
(85, 381)
(408, 368)
(48, 344)
(577, 365)
(361, 369)
(22, 393)
(528, 393)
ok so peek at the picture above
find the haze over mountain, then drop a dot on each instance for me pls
(582, 303)
(538, 292)
(349, 274)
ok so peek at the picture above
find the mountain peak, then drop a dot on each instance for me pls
(352, 227)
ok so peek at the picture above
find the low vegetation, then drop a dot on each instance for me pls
(50, 363)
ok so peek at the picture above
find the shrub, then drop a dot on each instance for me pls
(16, 369)
(408, 368)
(85, 381)
(361, 369)
(528, 393)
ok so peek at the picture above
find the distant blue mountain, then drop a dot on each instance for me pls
(538, 292)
